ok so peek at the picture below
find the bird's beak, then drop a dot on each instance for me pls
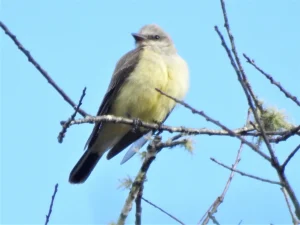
(139, 37)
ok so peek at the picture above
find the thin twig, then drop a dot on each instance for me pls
(220, 198)
(230, 132)
(294, 219)
(40, 69)
(246, 174)
(51, 204)
(65, 126)
(289, 133)
(162, 210)
(291, 155)
(271, 79)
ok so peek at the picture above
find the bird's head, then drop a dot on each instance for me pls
(154, 36)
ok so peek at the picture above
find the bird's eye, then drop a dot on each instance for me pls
(157, 37)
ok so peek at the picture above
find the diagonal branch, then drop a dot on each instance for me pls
(220, 199)
(285, 194)
(271, 79)
(230, 132)
(162, 210)
(51, 204)
(40, 69)
(291, 155)
(65, 126)
(246, 174)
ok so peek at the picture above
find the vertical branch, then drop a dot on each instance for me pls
(250, 96)
(139, 180)
(138, 206)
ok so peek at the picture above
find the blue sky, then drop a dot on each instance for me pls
(78, 43)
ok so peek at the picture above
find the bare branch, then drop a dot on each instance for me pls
(230, 132)
(246, 174)
(139, 180)
(294, 219)
(249, 94)
(271, 79)
(291, 155)
(244, 131)
(220, 199)
(51, 204)
(65, 126)
(246, 87)
(138, 206)
(40, 69)
(165, 212)
(286, 135)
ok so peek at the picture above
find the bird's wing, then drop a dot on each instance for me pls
(126, 140)
(136, 146)
(130, 137)
(123, 68)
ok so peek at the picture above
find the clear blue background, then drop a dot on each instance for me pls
(78, 42)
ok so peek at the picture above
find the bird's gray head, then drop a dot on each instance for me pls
(153, 36)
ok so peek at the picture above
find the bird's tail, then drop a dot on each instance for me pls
(84, 166)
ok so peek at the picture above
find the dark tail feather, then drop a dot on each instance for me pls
(84, 167)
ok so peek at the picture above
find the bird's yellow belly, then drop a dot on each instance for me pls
(138, 97)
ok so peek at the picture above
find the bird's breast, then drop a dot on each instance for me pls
(138, 98)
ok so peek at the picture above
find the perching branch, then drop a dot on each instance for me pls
(244, 131)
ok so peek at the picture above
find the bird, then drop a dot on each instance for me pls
(153, 64)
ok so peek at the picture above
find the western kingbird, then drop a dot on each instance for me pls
(154, 63)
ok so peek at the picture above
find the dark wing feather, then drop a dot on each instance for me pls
(128, 139)
(123, 68)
